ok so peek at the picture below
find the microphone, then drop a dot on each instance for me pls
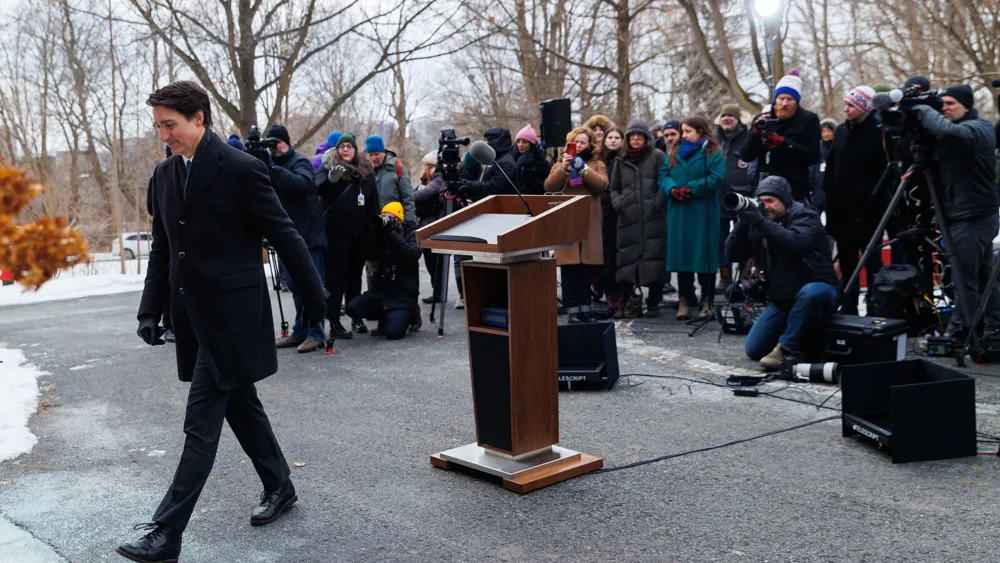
(487, 156)
(885, 100)
(996, 83)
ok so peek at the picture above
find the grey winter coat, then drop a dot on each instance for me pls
(967, 152)
(393, 186)
(642, 224)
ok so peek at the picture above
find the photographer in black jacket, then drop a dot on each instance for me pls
(787, 241)
(789, 146)
(853, 168)
(732, 136)
(292, 179)
(969, 199)
(392, 297)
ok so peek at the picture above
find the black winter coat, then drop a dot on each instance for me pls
(532, 169)
(397, 279)
(345, 211)
(795, 249)
(966, 150)
(792, 159)
(853, 168)
(292, 178)
(208, 226)
(492, 181)
(736, 169)
(642, 223)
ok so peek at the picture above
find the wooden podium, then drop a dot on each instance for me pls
(515, 369)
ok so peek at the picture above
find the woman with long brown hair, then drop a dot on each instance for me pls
(580, 264)
(694, 170)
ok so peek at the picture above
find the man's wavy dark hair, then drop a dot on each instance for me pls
(185, 97)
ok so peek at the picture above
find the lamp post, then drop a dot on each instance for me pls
(769, 12)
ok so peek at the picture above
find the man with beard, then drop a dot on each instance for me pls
(853, 168)
(969, 200)
(732, 135)
(292, 178)
(789, 242)
(789, 146)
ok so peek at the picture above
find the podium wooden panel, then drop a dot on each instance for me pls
(514, 371)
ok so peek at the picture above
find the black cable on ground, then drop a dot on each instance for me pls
(723, 386)
(710, 448)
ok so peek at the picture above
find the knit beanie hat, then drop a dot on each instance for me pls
(961, 93)
(638, 126)
(347, 138)
(790, 84)
(528, 134)
(828, 124)
(279, 132)
(732, 110)
(234, 141)
(925, 85)
(861, 98)
(395, 209)
(430, 158)
(672, 124)
(332, 140)
(374, 144)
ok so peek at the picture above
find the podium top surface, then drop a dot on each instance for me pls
(499, 225)
(483, 229)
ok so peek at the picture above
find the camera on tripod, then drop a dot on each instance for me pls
(257, 143)
(896, 108)
(753, 289)
(449, 157)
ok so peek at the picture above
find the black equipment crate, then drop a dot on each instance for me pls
(916, 410)
(863, 340)
(588, 356)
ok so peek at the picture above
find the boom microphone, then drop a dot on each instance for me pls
(487, 156)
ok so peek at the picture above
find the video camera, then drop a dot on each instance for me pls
(753, 289)
(896, 108)
(449, 157)
(257, 143)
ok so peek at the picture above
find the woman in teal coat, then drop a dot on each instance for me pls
(691, 175)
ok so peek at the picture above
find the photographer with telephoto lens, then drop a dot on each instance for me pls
(969, 199)
(392, 296)
(789, 244)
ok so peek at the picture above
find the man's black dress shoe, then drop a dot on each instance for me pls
(161, 545)
(273, 504)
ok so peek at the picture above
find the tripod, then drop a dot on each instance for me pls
(272, 260)
(916, 170)
(440, 286)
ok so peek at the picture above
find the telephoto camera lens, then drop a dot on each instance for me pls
(817, 373)
(737, 202)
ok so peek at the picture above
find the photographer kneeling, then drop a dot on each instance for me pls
(788, 242)
(392, 294)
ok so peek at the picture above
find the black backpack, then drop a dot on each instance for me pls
(894, 294)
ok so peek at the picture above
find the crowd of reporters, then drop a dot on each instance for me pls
(657, 209)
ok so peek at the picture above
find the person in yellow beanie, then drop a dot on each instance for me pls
(393, 289)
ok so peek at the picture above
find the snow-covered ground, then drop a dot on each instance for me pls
(101, 277)
(18, 400)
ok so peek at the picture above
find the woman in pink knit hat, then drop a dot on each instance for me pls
(532, 164)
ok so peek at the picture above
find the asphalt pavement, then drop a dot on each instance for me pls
(359, 427)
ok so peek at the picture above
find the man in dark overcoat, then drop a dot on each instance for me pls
(212, 207)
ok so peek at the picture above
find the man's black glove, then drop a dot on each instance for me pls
(314, 307)
(751, 215)
(150, 331)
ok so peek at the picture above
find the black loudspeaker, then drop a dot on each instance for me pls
(556, 121)
(588, 356)
(916, 410)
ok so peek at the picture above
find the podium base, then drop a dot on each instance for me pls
(522, 475)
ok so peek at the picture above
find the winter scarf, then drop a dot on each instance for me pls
(688, 148)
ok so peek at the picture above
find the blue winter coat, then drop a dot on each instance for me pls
(693, 225)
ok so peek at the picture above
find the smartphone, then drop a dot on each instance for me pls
(571, 149)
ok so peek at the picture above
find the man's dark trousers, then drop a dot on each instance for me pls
(973, 240)
(207, 407)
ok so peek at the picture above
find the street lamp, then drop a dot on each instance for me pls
(769, 12)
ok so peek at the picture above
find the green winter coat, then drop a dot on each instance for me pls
(693, 225)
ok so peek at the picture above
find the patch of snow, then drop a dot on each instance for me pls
(156, 453)
(76, 368)
(18, 400)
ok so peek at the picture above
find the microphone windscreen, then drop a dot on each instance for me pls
(895, 95)
(996, 83)
(882, 101)
(483, 153)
